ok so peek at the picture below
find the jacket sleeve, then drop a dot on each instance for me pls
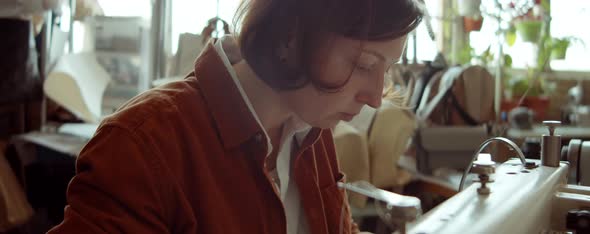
(117, 188)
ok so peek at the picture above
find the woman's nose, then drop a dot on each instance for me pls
(372, 94)
(374, 101)
(369, 99)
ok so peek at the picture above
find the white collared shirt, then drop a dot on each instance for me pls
(289, 143)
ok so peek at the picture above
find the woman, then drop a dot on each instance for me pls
(243, 144)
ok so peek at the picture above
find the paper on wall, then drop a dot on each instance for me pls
(189, 47)
(78, 83)
(83, 130)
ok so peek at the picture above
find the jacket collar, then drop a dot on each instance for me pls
(234, 121)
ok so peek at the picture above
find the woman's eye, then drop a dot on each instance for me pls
(363, 68)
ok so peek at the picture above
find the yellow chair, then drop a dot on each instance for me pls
(353, 156)
(389, 135)
(369, 148)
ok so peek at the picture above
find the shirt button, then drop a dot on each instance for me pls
(258, 137)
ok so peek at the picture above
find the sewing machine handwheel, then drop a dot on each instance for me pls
(584, 164)
(572, 152)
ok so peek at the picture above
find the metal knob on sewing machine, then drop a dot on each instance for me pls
(551, 145)
(484, 167)
(483, 146)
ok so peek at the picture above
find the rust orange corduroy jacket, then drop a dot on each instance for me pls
(188, 158)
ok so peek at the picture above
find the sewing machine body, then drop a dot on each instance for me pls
(521, 201)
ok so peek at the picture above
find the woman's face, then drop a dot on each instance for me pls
(333, 62)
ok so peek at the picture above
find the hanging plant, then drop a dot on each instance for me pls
(559, 49)
(560, 46)
(530, 25)
(529, 30)
(472, 23)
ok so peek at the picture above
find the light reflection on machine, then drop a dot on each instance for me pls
(394, 209)
(517, 196)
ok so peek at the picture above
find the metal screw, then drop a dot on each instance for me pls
(483, 190)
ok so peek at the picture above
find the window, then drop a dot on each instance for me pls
(187, 15)
(126, 7)
(192, 16)
(568, 18)
(426, 49)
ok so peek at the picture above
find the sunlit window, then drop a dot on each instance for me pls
(426, 48)
(568, 18)
(126, 7)
(192, 15)
(187, 15)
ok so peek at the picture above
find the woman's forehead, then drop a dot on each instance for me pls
(386, 51)
(357, 51)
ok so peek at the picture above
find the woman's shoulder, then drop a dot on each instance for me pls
(171, 102)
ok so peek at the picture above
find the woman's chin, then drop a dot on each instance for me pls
(326, 124)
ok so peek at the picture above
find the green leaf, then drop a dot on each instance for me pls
(507, 61)
(510, 38)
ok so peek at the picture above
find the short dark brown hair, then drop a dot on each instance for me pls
(265, 25)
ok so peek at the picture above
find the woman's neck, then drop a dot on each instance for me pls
(265, 101)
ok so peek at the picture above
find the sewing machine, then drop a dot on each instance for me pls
(518, 196)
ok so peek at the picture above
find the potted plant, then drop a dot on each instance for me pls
(529, 91)
(472, 23)
(529, 29)
(530, 25)
(559, 46)
(471, 13)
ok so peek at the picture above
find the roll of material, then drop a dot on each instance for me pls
(550, 150)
